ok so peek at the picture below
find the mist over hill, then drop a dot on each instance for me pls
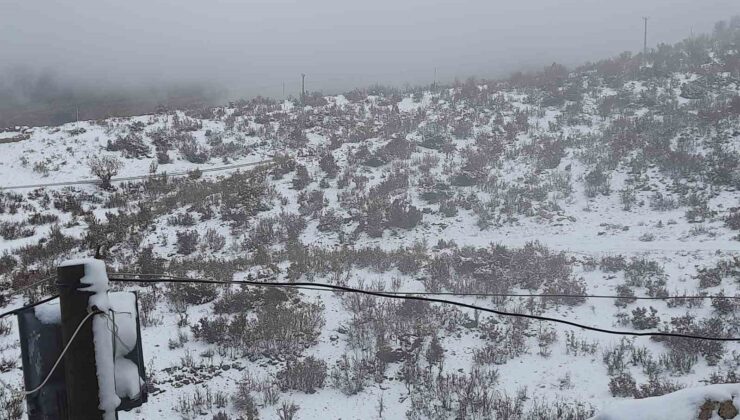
(125, 58)
(33, 98)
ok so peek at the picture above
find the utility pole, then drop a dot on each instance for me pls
(644, 45)
(434, 84)
(283, 89)
(77, 110)
(79, 360)
(303, 88)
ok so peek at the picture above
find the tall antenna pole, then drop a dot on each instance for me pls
(303, 88)
(434, 85)
(644, 47)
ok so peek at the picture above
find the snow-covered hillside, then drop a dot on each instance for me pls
(613, 178)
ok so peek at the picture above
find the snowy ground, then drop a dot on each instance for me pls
(584, 228)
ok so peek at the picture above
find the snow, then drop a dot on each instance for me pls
(680, 405)
(123, 306)
(49, 312)
(128, 382)
(123, 311)
(583, 228)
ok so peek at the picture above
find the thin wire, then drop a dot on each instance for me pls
(539, 295)
(114, 330)
(59, 359)
(331, 287)
(30, 286)
(29, 306)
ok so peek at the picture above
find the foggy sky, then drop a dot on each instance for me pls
(253, 46)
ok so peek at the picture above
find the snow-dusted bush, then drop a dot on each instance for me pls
(350, 374)
(678, 362)
(245, 404)
(278, 328)
(187, 241)
(502, 343)
(104, 167)
(656, 386)
(329, 165)
(213, 240)
(191, 150)
(42, 218)
(623, 385)
(573, 286)
(626, 296)
(660, 202)
(181, 219)
(612, 264)
(11, 404)
(712, 351)
(641, 320)
(732, 220)
(7, 263)
(131, 146)
(642, 272)
(402, 214)
(311, 203)
(597, 182)
(434, 136)
(330, 221)
(305, 375)
(301, 179)
(10, 230)
(453, 395)
(191, 293)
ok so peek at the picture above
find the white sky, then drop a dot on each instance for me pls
(255, 45)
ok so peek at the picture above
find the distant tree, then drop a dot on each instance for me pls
(105, 168)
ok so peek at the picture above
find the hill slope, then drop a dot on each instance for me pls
(613, 178)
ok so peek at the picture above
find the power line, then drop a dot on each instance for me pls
(29, 306)
(535, 295)
(332, 287)
(30, 286)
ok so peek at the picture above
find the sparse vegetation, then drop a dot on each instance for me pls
(483, 187)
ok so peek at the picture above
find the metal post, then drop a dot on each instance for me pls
(644, 45)
(79, 361)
